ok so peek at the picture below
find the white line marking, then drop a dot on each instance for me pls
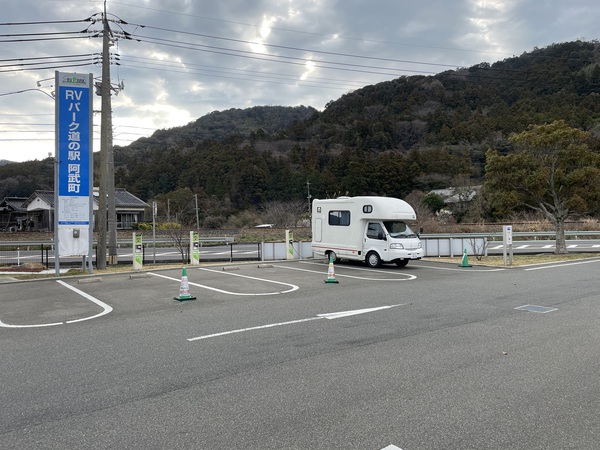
(5, 325)
(462, 269)
(107, 308)
(103, 305)
(293, 287)
(339, 315)
(337, 275)
(330, 316)
(252, 328)
(564, 264)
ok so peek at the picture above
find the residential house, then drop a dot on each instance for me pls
(457, 199)
(39, 209)
(13, 217)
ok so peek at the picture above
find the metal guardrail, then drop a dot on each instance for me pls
(17, 253)
(11, 252)
(494, 235)
(121, 242)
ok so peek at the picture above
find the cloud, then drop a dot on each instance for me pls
(187, 58)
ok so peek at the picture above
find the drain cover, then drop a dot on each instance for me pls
(537, 309)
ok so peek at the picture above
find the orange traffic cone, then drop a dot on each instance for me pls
(184, 288)
(331, 273)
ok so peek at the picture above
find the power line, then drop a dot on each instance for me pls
(330, 36)
(281, 59)
(374, 58)
(45, 22)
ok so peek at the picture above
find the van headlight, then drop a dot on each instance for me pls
(397, 246)
(420, 245)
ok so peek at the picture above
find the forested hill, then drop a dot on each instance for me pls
(411, 133)
(220, 125)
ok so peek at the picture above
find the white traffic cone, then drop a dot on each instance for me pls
(331, 273)
(184, 288)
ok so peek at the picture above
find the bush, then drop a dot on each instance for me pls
(168, 226)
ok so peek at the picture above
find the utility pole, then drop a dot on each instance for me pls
(106, 200)
(197, 219)
(308, 198)
(104, 143)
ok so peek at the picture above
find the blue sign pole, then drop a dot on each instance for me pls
(73, 183)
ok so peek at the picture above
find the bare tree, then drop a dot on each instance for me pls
(479, 248)
(284, 214)
(179, 235)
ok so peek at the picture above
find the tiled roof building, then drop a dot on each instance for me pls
(37, 211)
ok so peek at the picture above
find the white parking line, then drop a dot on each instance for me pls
(563, 264)
(337, 275)
(106, 309)
(293, 287)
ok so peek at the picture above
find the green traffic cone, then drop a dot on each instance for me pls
(465, 260)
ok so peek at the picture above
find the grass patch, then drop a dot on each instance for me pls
(518, 260)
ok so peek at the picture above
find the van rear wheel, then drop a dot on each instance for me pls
(331, 256)
(373, 260)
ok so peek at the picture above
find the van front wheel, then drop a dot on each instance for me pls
(401, 262)
(373, 260)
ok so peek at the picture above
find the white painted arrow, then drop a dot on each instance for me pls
(330, 316)
(337, 315)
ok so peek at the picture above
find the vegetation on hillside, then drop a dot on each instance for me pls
(399, 138)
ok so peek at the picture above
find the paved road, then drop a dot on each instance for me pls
(431, 356)
(546, 246)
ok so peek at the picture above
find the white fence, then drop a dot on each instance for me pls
(447, 246)
(277, 250)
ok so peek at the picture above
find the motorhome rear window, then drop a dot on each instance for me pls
(341, 218)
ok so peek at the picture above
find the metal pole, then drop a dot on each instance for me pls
(308, 198)
(154, 232)
(91, 179)
(197, 220)
(56, 183)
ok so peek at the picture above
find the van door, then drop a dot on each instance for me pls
(375, 241)
(318, 230)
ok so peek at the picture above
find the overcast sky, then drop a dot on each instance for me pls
(188, 58)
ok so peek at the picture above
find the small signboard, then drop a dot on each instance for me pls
(194, 248)
(508, 243)
(138, 251)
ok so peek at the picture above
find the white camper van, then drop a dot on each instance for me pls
(369, 229)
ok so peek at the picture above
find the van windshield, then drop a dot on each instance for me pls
(398, 229)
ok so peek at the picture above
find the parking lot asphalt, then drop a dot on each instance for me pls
(432, 355)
